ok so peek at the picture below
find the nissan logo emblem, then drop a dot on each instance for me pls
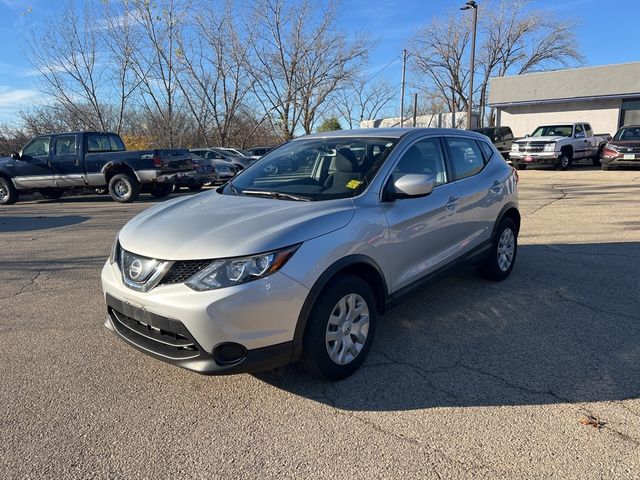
(135, 269)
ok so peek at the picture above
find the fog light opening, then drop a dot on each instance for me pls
(229, 353)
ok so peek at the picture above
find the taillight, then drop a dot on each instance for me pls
(157, 161)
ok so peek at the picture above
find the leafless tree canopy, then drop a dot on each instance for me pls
(193, 72)
(512, 40)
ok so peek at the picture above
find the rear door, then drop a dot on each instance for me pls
(33, 170)
(65, 161)
(424, 231)
(481, 192)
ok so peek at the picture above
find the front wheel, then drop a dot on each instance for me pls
(161, 190)
(124, 188)
(564, 162)
(502, 257)
(340, 328)
(8, 193)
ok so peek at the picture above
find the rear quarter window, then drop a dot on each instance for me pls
(487, 151)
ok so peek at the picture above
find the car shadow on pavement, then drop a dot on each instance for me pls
(565, 327)
(13, 223)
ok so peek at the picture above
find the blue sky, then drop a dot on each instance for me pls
(606, 35)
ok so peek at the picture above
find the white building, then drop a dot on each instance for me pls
(607, 97)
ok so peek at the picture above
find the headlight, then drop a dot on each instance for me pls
(550, 147)
(113, 257)
(235, 271)
(514, 147)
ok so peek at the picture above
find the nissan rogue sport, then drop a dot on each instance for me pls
(297, 256)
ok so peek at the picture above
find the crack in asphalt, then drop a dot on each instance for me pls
(563, 296)
(562, 197)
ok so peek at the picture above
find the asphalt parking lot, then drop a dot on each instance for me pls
(467, 379)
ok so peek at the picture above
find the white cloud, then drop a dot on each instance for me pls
(13, 100)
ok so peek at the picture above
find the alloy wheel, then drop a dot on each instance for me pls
(506, 249)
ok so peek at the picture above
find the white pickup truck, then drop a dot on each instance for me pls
(559, 145)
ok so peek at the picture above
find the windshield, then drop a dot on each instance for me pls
(628, 133)
(553, 131)
(314, 169)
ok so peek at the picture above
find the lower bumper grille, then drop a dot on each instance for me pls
(159, 335)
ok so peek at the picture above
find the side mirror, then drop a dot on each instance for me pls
(527, 135)
(413, 185)
(15, 155)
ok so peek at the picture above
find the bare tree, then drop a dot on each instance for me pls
(513, 40)
(300, 59)
(68, 60)
(362, 100)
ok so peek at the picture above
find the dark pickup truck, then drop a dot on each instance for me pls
(51, 164)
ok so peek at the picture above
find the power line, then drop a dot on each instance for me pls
(382, 69)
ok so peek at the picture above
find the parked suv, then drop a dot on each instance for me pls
(624, 149)
(281, 265)
(559, 145)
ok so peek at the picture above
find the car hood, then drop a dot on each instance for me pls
(541, 139)
(211, 225)
(625, 143)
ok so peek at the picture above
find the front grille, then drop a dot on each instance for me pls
(181, 271)
(160, 335)
(532, 147)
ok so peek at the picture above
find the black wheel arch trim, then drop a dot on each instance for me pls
(505, 209)
(319, 286)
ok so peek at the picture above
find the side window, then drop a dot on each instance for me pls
(423, 157)
(587, 129)
(65, 145)
(466, 158)
(579, 131)
(37, 148)
(487, 151)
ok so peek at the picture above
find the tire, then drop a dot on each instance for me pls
(519, 166)
(606, 168)
(124, 188)
(8, 193)
(196, 187)
(597, 159)
(161, 190)
(564, 162)
(353, 335)
(52, 193)
(498, 265)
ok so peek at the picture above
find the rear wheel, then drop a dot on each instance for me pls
(8, 193)
(160, 190)
(124, 188)
(52, 193)
(498, 265)
(519, 166)
(340, 328)
(597, 158)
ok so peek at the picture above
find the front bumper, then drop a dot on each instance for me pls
(187, 328)
(539, 158)
(621, 161)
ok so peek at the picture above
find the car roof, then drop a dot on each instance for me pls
(393, 132)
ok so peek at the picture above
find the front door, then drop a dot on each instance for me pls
(33, 169)
(65, 161)
(424, 231)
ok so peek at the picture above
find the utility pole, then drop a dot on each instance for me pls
(474, 6)
(415, 108)
(404, 68)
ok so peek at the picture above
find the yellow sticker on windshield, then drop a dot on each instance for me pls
(353, 184)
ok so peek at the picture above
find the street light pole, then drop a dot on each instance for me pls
(471, 5)
(404, 67)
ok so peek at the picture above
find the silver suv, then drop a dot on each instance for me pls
(296, 257)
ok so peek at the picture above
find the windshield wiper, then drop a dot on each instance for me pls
(279, 195)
